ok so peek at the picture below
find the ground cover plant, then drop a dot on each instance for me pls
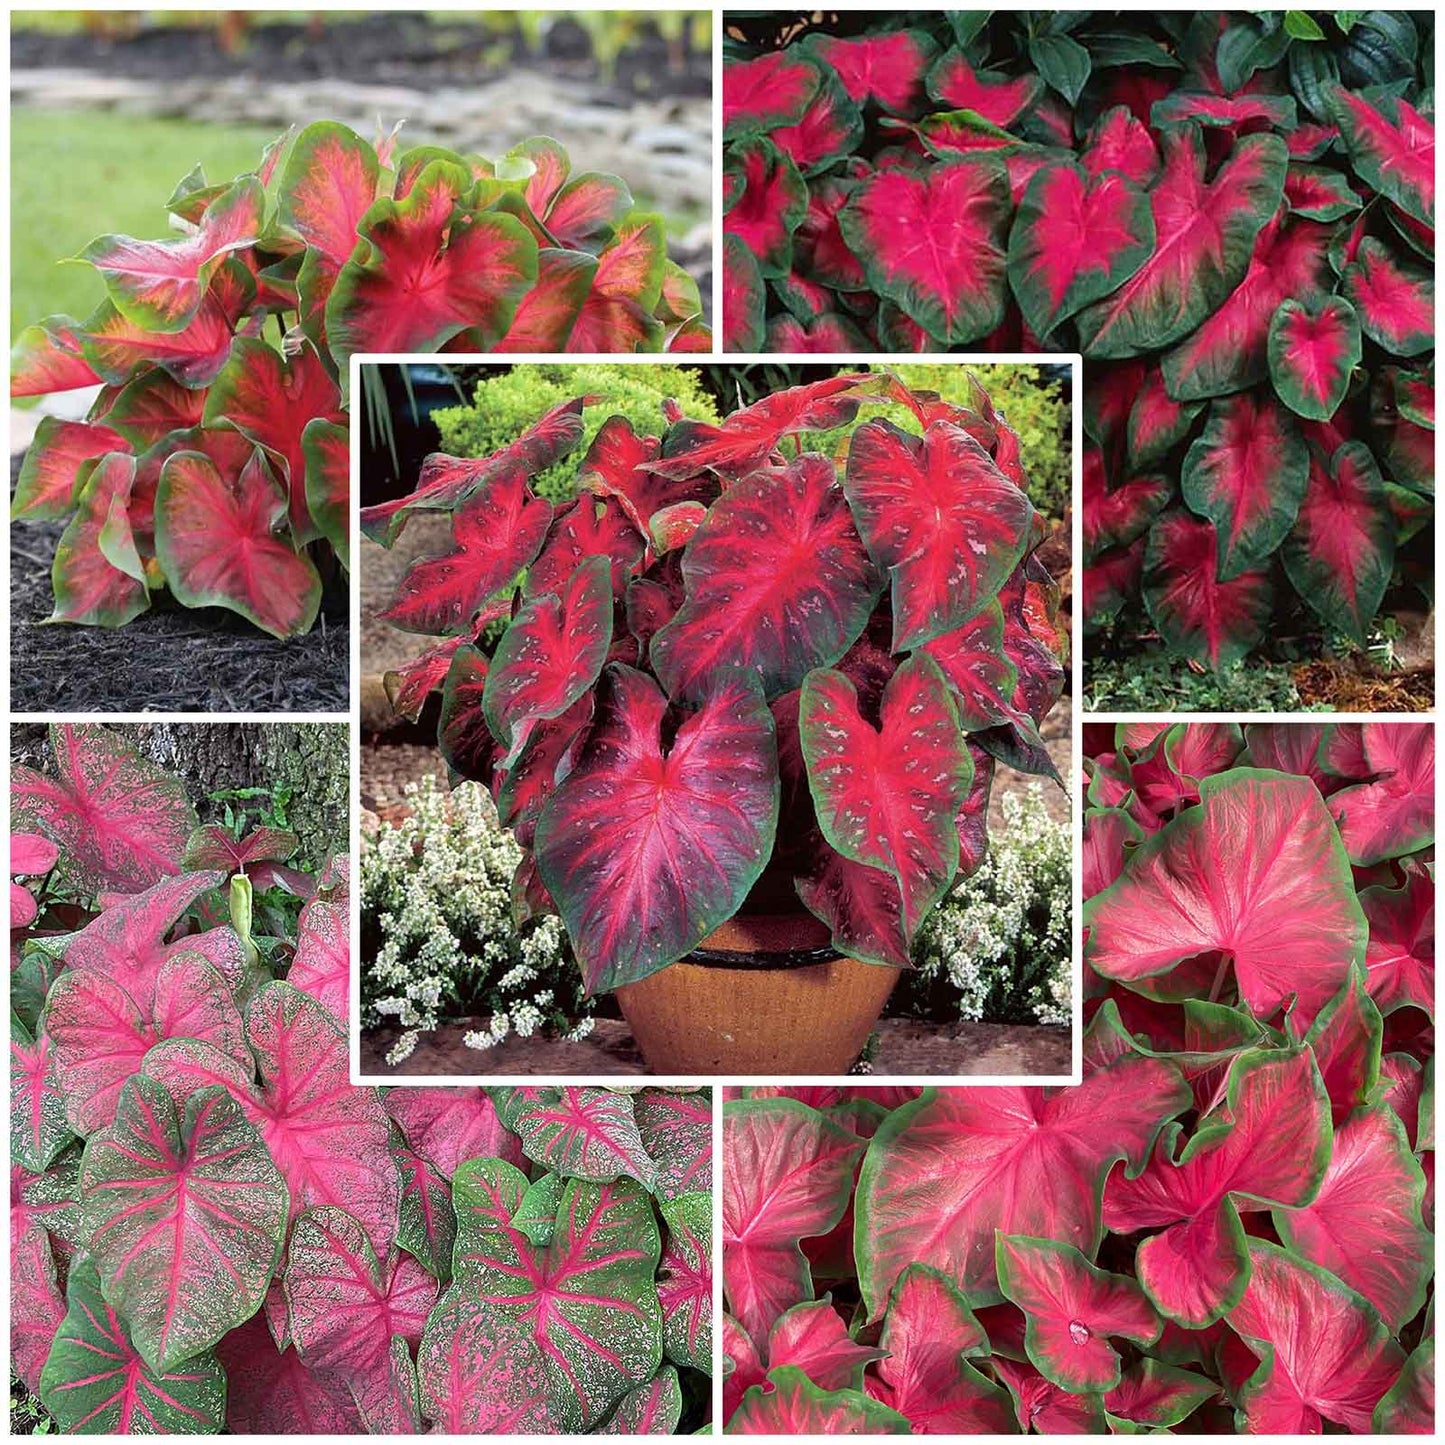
(1226, 1225)
(214, 461)
(212, 1228)
(1231, 216)
(664, 650)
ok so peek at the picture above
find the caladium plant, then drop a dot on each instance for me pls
(800, 666)
(212, 1228)
(1230, 215)
(1226, 1226)
(214, 461)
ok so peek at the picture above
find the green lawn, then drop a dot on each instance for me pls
(75, 175)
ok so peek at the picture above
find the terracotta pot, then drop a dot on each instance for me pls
(765, 994)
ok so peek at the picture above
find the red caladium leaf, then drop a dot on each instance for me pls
(1042, 1407)
(449, 1126)
(887, 797)
(578, 1133)
(1120, 141)
(767, 202)
(813, 1337)
(973, 660)
(787, 1174)
(118, 349)
(498, 530)
(1312, 351)
(1075, 238)
(53, 469)
(933, 242)
(214, 847)
(1318, 192)
(547, 314)
(480, 1375)
(1365, 1224)
(427, 268)
(95, 1381)
(1342, 549)
(744, 296)
(749, 607)
(463, 737)
(272, 1392)
(329, 1140)
(630, 907)
(828, 130)
(1231, 112)
(760, 95)
(886, 69)
(795, 1406)
(587, 1298)
(1395, 303)
(1256, 874)
(409, 688)
(1394, 814)
(1072, 1311)
(627, 287)
(1273, 1144)
(88, 587)
(943, 1174)
(326, 452)
(38, 1127)
(1204, 236)
(1324, 1353)
(1246, 473)
(997, 98)
(1400, 951)
(321, 966)
(1116, 516)
(1392, 146)
(927, 1332)
(676, 1130)
(1213, 621)
(120, 821)
(937, 512)
(47, 357)
(524, 780)
(215, 538)
(1152, 1393)
(1408, 1406)
(684, 1280)
(185, 1213)
(162, 284)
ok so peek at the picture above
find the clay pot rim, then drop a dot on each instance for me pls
(760, 960)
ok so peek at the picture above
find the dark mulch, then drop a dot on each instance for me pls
(388, 48)
(169, 659)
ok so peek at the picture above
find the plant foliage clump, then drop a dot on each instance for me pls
(1230, 216)
(1226, 1226)
(214, 461)
(212, 1228)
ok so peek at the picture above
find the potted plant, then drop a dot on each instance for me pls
(746, 708)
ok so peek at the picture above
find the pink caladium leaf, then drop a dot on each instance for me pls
(1072, 1310)
(1392, 815)
(1342, 549)
(888, 797)
(321, 966)
(96, 1381)
(1324, 1352)
(997, 98)
(886, 70)
(36, 1304)
(162, 284)
(448, 1126)
(38, 1126)
(1247, 473)
(939, 515)
(1075, 238)
(1408, 1406)
(814, 1338)
(271, 1391)
(787, 1175)
(1152, 1393)
(480, 1375)
(1042, 1407)
(934, 242)
(1346, 1040)
(1257, 875)
(600, 1328)
(551, 653)
(1211, 620)
(120, 821)
(48, 357)
(498, 530)
(630, 907)
(578, 1133)
(54, 466)
(428, 268)
(1312, 352)
(329, 1140)
(463, 737)
(428, 1223)
(1204, 236)
(676, 1130)
(943, 1174)
(1395, 302)
(792, 1404)
(1400, 950)
(1109, 835)
(684, 1280)
(749, 608)
(1392, 147)
(216, 539)
(1365, 1224)
(760, 95)
(927, 1334)
(768, 199)
(185, 1213)
(651, 1409)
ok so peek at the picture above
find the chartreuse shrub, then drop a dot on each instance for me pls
(214, 460)
(211, 1227)
(1226, 1226)
(828, 731)
(1231, 216)
(505, 405)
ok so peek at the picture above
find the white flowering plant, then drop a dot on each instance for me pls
(438, 935)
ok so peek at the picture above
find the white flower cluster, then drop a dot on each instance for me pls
(436, 905)
(998, 945)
